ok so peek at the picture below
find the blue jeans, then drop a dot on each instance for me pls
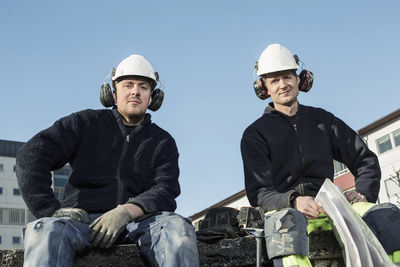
(166, 239)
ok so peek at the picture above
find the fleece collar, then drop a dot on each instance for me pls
(270, 109)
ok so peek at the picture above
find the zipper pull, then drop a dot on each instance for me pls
(127, 138)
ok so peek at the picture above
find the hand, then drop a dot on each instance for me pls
(353, 197)
(106, 229)
(308, 207)
(79, 215)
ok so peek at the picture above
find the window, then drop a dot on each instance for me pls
(64, 171)
(384, 144)
(60, 182)
(59, 192)
(14, 168)
(16, 240)
(338, 167)
(16, 192)
(12, 216)
(396, 137)
(1, 167)
(60, 179)
(30, 216)
(0, 239)
(16, 216)
(1, 190)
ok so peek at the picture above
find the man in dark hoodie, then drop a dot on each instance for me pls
(123, 184)
(288, 153)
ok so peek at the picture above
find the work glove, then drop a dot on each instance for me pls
(106, 229)
(79, 215)
(354, 197)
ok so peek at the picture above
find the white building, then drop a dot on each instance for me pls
(14, 214)
(382, 137)
(13, 211)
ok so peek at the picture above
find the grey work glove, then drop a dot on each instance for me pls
(79, 215)
(106, 229)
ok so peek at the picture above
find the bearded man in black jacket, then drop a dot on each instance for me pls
(123, 184)
(288, 153)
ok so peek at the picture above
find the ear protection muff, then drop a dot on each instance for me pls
(305, 84)
(260, 89)
(107, 97)
(157, 98)
(306, 80)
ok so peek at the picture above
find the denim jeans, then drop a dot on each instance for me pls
(165, 239)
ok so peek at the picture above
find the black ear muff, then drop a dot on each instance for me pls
(106, 96)
(157, 97)
(260, 89)
(306, 80)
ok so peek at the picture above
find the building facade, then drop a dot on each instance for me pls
(382, 137)
(14, 214)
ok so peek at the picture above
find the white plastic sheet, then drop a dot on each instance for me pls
(361, 246)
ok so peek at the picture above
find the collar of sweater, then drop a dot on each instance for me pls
(270, 109)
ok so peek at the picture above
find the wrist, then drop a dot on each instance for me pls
(292, 199)
(134, 210)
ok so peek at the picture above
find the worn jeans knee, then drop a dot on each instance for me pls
(54, 241)
(384, 221)
(286, 233)
(166, 239)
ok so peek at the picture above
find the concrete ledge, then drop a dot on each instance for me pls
(324, 252)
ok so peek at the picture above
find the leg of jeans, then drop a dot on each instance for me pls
(54, 241)
(166, 239)
(286, 233)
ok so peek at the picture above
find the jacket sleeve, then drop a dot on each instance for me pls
(349, 148)
(259, 184)
(161, 197)
(47, 151)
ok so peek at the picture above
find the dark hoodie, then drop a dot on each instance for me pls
(280, 159)
(109, 166)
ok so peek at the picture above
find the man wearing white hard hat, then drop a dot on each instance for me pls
(123, 184)
(289, 151)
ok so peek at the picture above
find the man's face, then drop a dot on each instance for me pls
(133, 96)
(283, 87)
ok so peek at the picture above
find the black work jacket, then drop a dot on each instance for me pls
(109, 167)
(280, 159)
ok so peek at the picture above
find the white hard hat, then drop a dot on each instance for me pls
(276, 58)
(135, 65)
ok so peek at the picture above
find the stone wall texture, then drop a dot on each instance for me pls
(324, 251)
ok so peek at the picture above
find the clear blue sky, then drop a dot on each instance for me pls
(55, 54)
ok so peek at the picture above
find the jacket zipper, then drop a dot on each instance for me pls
(299, 145)
(119, 182)
(300, 149)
